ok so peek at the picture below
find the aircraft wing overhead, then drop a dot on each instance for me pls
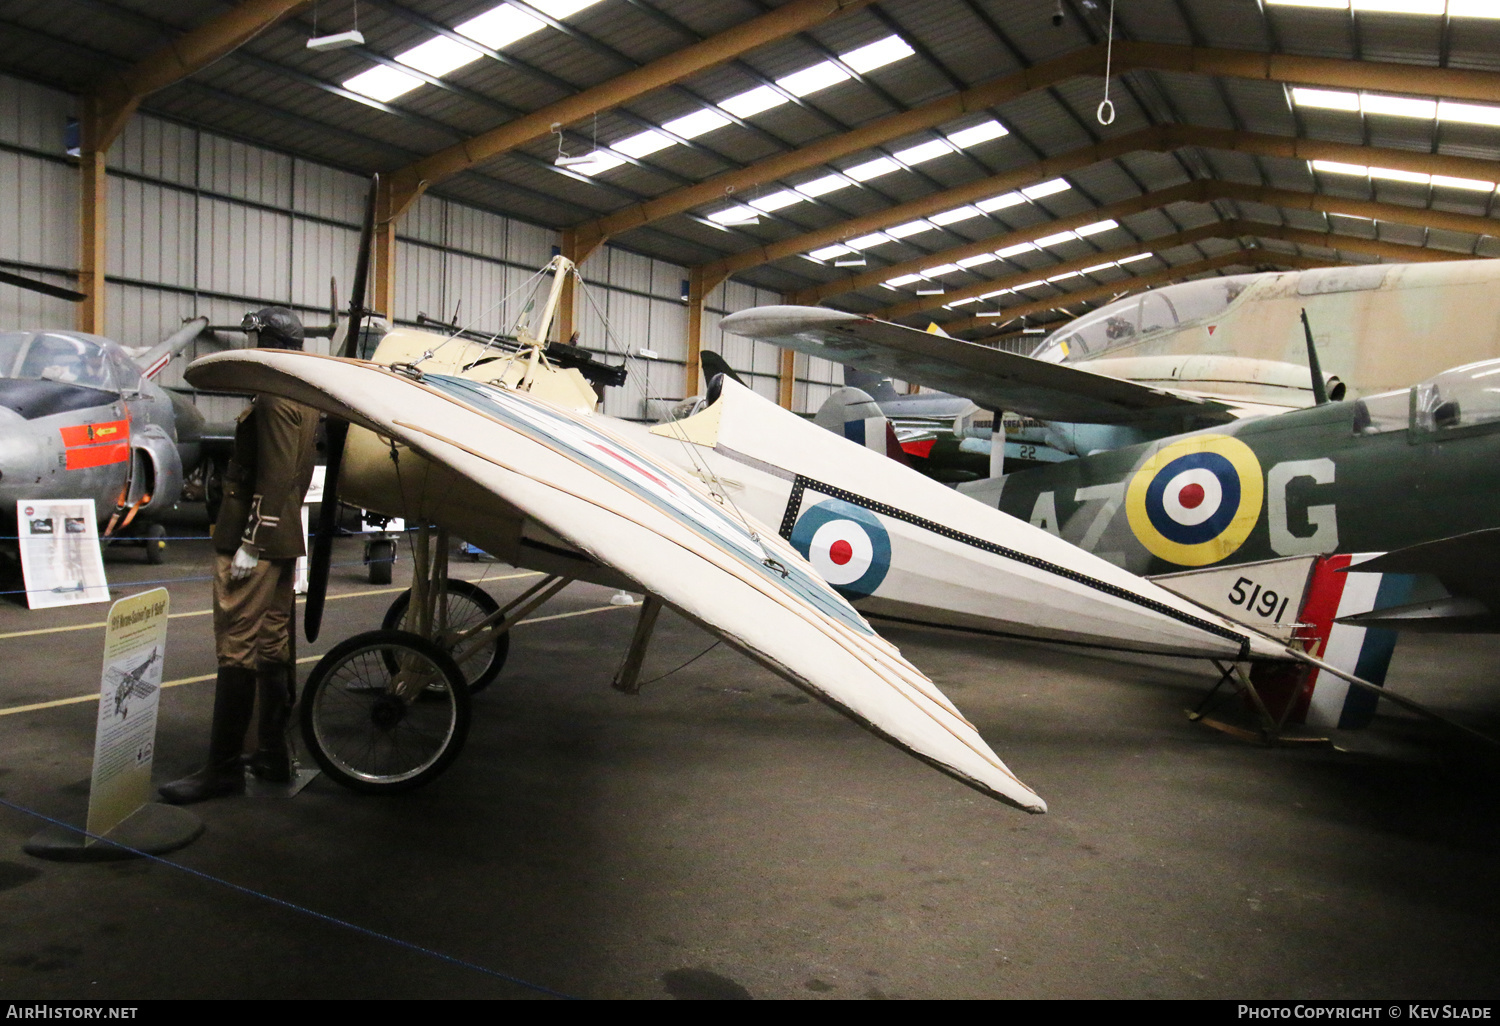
(658, 526)
(995, 380)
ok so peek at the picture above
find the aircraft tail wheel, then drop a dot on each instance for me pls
(385, 711)
(382, 558)
(156, 544)
(468, 604)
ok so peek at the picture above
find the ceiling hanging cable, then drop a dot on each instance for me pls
(1106, 111)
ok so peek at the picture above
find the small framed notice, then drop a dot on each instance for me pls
(60, 558)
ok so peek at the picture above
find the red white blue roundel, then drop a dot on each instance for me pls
(1194, 502)
(846, 544)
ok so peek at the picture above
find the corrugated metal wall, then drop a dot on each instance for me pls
(201, 224)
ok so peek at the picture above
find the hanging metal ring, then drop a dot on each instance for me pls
(1106, 113)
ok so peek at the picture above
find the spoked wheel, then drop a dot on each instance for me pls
(468, 605)
(385, 711)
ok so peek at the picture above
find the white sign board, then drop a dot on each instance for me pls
(135, 645)
(60, 558)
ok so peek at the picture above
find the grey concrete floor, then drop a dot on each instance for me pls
(720, 834)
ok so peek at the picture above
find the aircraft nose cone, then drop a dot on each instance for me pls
(23, 459)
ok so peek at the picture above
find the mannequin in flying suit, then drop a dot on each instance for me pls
(257, 539)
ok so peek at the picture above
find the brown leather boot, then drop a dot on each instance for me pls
(272, 761)
(234, 702)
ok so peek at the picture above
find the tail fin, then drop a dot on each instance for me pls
(934, 328)
(853, 414)
(713, 365)
(158, 356)
(876, 386)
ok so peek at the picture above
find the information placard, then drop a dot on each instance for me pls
(60, 558)
(135, 645)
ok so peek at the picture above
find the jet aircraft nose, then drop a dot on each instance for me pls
(24, 456)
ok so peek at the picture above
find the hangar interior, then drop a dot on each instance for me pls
(959, 162)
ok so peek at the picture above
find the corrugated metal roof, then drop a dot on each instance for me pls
(959, 43)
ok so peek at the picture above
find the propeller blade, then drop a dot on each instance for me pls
(338, 430)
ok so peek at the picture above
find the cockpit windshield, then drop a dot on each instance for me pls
(44, 356)
(1122, 323)
(1461, 397)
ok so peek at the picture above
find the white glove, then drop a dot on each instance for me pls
(245, 558)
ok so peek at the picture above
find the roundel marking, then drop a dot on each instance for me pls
(1194, 502)
(846, 544)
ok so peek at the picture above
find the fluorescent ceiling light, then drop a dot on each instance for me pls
(776, 200)
(910, 228)
(1053, 240)
(1009, 199)
(905, 279)
(872, 169)
(854, 261)
(1098, 226)
(926, 151)
(877, 54)
(1056, 185)
(382, 83)
(929, 292)
(1016, 250)
(976, 261)
(822, 186)
(984, 132)
(439, 56)
(337, 41)
(954, 216)
(829, 252)
(642, 143)
(700, 122)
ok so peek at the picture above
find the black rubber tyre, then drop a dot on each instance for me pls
(367, 738)
(468, 604)
(382, 559)
(156, 544)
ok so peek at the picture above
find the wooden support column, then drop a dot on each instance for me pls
(699, 286)
(788, 378)
(577, 250)
(93, 221)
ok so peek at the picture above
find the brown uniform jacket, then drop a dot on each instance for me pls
(268, 478)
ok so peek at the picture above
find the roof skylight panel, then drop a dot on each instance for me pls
(776, 200)
(940, 269)
(1394, 175)
(738, 214)
(955, 215)
(902, 231)
(1016, 250)
(872, 169)
(974, 261)
(1454, 8)
(926, 151)
(829, 252)
(822, 186)
(1053, 240)
(1097, 227)
(994, 203)
(878, 54)
(643, 143)
(978, 134)
(905, 279)
(866, 241)
(810, 80)
(1098, 267)
(1132, 259)
(700, 122)
(753, 101)
(1398, 106)
(496, 28)
(1049, 188)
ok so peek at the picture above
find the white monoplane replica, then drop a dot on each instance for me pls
(762, 528)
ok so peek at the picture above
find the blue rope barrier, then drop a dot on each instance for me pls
(293, 906)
